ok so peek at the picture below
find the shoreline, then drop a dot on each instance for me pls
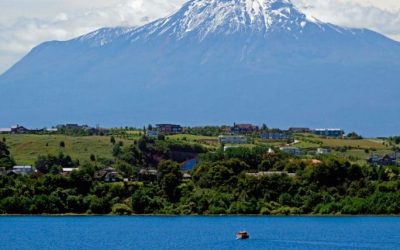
(172, 215)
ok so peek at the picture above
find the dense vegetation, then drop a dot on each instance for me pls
(222, 183)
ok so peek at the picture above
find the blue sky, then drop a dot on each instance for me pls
(26, 23)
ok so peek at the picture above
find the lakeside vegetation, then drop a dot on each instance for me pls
(250, 179)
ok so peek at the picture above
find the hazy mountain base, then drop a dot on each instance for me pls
(319, 75)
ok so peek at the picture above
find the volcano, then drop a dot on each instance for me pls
(213, 62)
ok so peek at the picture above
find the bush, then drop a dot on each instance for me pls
(121, 209)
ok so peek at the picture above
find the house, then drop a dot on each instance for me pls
(22, 170)
(270, 173)
(322, 151)
(17, 129)
(51, 130)
(169, 128)
(274, 136)
(152, 134)
(232, 139)
(329, 132)
(243, 128)
(386, 160)
(147, 174)
(108, 174)
(68, 171)
(290, 150)
(299, 130)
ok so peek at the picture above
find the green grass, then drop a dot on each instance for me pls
(26, 148)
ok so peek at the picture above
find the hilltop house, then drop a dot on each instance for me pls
(232, 139)
(299, 130)
(17, 129)
(5, 130)
(329, 132)
(169, 128)
(243, 128)
(274, 136)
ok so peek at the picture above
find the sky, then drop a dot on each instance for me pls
(26, 23)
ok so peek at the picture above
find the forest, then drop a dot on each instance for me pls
(240, 180)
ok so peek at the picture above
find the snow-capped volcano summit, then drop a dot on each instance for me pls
(213, 61)
(205, 17)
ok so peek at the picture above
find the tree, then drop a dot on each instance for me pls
(62, 144)
(112, 140)
(92, 157)
(169, 178)
(116, 150)
(5, 157)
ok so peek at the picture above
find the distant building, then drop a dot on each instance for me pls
(147, 174)
(274, 136)
(169, 128)
(299, 130)
(290, 150)
(5, 130)
(232, 139)
(329, 132)
(152, 134)
(107, 175)
(386, 160)
(22, 170)
(51, 130)
(243, 128)
(17, 129)
(322, 151)
(68, 171)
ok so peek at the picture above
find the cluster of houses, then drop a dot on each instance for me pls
(166, 129)
(19, 129)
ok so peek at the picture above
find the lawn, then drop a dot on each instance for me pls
(26, 148)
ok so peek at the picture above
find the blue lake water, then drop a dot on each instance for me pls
(199, 232)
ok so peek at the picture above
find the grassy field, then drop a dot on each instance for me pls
(26, 148)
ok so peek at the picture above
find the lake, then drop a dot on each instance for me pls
(199, 232)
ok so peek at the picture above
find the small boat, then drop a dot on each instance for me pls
(242, 235)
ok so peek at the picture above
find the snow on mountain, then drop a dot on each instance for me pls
(213, 61)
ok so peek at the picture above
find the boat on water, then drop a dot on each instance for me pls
(242, 235)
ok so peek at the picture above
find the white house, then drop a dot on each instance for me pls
(232, 139)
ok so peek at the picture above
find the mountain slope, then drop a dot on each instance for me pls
(214, 61)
